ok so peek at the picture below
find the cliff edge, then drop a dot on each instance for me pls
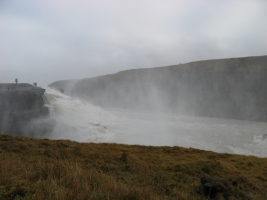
(19, 107)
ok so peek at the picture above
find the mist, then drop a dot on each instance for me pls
(216, 105)
(226, 88)
(81, 121)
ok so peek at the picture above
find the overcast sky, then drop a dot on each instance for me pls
(48, 40)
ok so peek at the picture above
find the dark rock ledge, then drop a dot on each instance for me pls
(19, 107)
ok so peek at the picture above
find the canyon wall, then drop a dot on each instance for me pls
(227, 88)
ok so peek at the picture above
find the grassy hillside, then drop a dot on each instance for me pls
(46, 169)
(228, 88)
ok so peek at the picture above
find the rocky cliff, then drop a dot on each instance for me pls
(228, 88)
(19, 107)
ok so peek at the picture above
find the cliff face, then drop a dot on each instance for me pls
(18, 107)
(228, 88)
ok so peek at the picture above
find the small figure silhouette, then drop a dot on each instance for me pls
(16, 80)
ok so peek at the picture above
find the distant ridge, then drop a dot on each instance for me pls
(228, 88)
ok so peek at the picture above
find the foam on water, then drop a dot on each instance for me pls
(88, 123)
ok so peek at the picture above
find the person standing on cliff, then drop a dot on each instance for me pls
(16, 80)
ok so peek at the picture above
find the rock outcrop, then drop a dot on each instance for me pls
(226, 88)
(212, 186)
(19, 107)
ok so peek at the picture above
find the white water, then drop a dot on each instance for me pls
(88, 123)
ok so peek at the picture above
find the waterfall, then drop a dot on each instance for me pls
(48, 99)
(83, 122)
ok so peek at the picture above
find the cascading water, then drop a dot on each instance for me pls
(48, 101)
(77, 120)
(83, 122)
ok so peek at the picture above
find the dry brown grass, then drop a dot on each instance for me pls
(46, 169)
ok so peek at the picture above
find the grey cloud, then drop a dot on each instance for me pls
(55, 40)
